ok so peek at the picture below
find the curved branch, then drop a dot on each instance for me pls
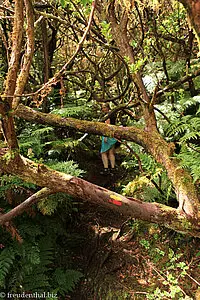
(129, 80)
(18, 210)
(116, 97)
(7, 9)
(164, 116)
(114, 111)
(141, 23)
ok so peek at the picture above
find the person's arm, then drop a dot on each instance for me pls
(107, 122)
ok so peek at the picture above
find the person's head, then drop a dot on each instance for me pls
(105, 107)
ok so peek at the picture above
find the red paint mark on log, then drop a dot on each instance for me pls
(115, 202)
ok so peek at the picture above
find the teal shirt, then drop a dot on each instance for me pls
(105, 146)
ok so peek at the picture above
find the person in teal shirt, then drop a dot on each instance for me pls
(108, 145)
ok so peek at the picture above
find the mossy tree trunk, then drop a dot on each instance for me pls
(56, 181)
(17, 75)
(10, 82)
(193, 11)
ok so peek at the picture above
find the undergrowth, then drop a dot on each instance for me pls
(31, 246)
(33, 265)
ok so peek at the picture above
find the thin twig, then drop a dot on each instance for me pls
(193, 279)
(7, 9)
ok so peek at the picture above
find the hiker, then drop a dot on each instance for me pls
(108, 145)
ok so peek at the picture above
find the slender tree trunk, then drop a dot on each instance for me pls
(28, 55)
(46, 66)
(10, 82)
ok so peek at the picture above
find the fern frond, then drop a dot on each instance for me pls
(35, 261)
(190, 135)
(49, 205)
(66, 279)
(7, 257)
(46, 247)
(14, 183)
(41, 131)
(69, 167)
(27, 230)
(33, 137)
(65, 143)
(70, 144)
(27, 144)
(190, 159)
(177, 128)
(73, 111)
(36, 282)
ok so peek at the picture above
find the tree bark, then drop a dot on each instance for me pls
(28, 55)
(16, 50)
(193, 10)
(10, 82)
(59, 182)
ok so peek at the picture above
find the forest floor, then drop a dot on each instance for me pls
(129, 259)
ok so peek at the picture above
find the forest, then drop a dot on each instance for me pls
(70, 230)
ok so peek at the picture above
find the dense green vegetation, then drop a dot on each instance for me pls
(40, 247)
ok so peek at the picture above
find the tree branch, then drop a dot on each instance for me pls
(16, 49)
(6, 9)
(80, 189)
(178, 82)
(129, 133)
(18, 210)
